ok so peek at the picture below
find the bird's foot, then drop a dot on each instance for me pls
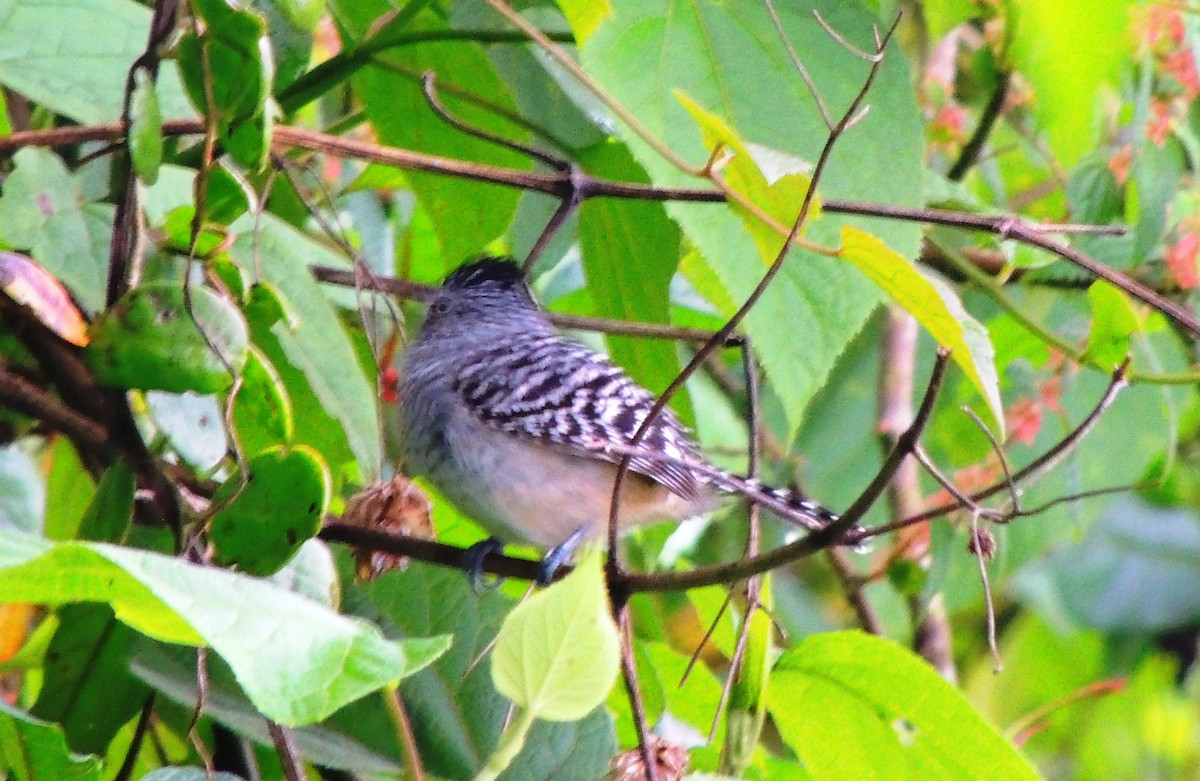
(557, 556)
(472, 563)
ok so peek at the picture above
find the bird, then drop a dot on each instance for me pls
(523, 428)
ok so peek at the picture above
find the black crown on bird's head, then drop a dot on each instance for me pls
(486, 271)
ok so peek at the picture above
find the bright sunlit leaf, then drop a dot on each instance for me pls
(556, 655)
(769, 204)
(936, 306)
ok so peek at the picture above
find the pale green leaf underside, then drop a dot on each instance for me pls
(556, 654)
(935, 306)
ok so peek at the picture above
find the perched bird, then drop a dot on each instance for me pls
(523, 428)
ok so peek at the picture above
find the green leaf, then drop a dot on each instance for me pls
(1113, 322)
(280, 506)
(613, 231)
(230, 64)
(192, 425)
(1153, 187)
(108, 516)
(466, 216)
(35, 750)
(71, 486)
(1065, 76)
(172, 671)
(556, 654)
(87, 686)
(262, 413)
(78, 69)
(312, 353)
(149, 340)
(145, 128)
(852, 705)
(297, 660)
(43, 211)
(1135, 570)
(584, 16)
(936, 306)
(648, 49)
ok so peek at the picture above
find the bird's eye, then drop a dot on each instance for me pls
(439, 308)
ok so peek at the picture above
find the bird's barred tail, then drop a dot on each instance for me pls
(784, 501)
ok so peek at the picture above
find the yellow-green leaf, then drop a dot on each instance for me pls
(584, 16)
(557, 653)
(935, 306)
(775, 201)
(1113, 322)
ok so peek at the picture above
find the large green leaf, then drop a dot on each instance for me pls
(297, 660)
(728, 59)
(87, 686)
(265, 516)
(75, 64)
(852, 705)
(152, 339)
(313, 344)
(936, 306)
(34, 750)
(172, 671)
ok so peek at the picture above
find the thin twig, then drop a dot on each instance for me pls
(1034, 469)
(404, 732)
(285, 749)
(22, 396)
(429, 88)
(1014, 495)
(798, 64)
(981, 556)
(987, 120)
(852, 586)
(135, 744)
(568, 63)
(634, 692)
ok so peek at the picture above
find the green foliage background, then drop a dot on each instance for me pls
(276, 410)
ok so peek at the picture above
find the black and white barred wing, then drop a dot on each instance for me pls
(547, 388)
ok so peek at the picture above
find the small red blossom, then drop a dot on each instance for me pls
(389, 378)
(1120, 163)
(1181, 260)
(946, 129)
(1025, 420)
(1159, 125)
(1182, 66)
(1051, 393)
